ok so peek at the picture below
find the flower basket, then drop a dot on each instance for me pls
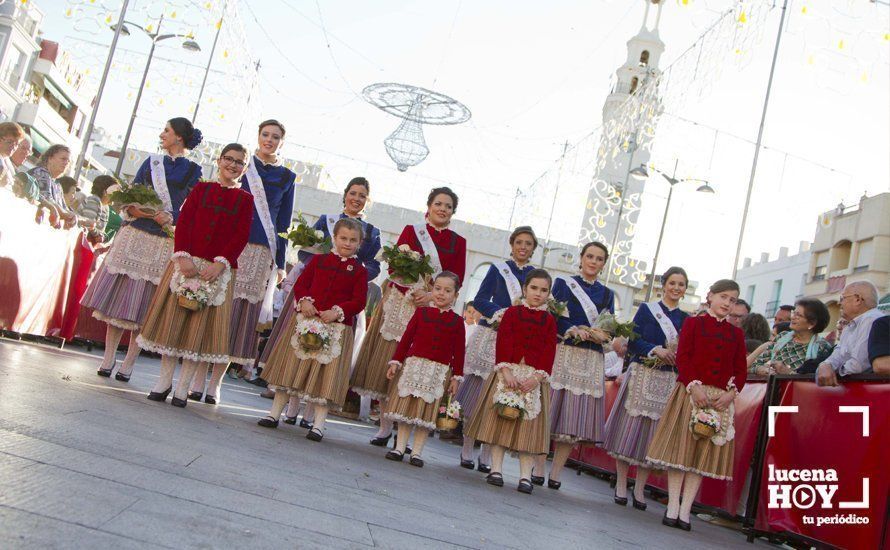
(449, 414)
(446, 424)
(509, 413)
(188, 303)
(310, 341)
(703, 431)
(704, 424)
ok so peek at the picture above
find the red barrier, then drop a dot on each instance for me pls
(819, 437)
(723, 495)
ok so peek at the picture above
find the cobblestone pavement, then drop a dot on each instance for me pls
(88, 462)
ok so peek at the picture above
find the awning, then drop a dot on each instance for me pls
(38, 143)
(57, 93)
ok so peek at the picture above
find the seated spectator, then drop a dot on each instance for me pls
(10, 136)
(738, 312)
(879, 345)
(52, 164)
(779, 328)
(94, 208)
(783, 314)
(789, 350)
(71, 192)
(858, 303)
(25, 185)
(756, 329)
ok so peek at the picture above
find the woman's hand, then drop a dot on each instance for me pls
(509, 379)
(392, 370)
(577, 332)
(529, 384)
(328, 316)
(422, 298)
(699, 397)
(665, 355)
(722, 402)
(307, 308)
(762, 370)
(187, 266)
(452, 386)
(162, 218)
(212, 271)
(781, 368)
(281, 274)
(598, 336)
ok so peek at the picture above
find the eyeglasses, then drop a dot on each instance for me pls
(232, 160)
(848, 296)
(11, 141)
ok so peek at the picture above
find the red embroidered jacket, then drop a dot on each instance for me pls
(712, 352)
(331, 280)
(214, 221)
(434, 335)
(451, 246)
(528, 334)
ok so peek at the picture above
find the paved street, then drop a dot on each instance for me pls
(88, 462)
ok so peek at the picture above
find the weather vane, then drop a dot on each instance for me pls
(416, 106)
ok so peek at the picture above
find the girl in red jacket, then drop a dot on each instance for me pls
(524, 354)
(428, 359)
(314, 362)
(712, 372)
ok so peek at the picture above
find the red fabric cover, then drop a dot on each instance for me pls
(711, 351)
(529, 335)
(214, 221)
(434, 335)
(334, 281)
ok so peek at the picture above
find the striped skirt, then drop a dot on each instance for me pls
(122, 288)
(575, 415)
(468, 395)
(250, 289)
(674, 447)
(522, 436)
(627, 437)
(369, 376)
(410, 409)
(243, 335)
(324, 384)
(171, 329)
(278, 330)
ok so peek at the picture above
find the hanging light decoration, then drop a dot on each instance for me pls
(406, 146)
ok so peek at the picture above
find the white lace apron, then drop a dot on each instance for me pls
(422, 378)
(218, 288)
(480, 357)
(531, 400)
(578, 370)
(251, 277)
(726, 433)
(648, 391)
(139, 255)
(398, 309)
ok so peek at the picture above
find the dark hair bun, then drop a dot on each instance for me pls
(194, 140)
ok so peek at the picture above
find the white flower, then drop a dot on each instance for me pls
(404, 248)
(319, 233)
(415, 255)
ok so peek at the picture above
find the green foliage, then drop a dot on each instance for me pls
(407, 265)
(303, 235)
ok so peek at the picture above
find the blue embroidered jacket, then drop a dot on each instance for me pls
(182, 175)
(278, 182)
(493, 295)
(602, 297)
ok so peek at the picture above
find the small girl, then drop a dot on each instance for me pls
(332, 289)
(712, 372)
(429, 354)
(524, 354)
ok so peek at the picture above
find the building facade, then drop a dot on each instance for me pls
(768, 284)
(19, 26)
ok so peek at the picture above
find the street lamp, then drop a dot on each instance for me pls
(187, 44)
(642, 173)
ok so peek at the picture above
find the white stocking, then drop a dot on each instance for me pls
(540, 467)
(640, 484)
(690, 490)
(526, 462)
(309, 415)
(560, 455)
(133, 350)
(216, 376)
(385, 427)
(186, 373)
(675, 486)
(278, 404)
(621, 468)
(497, 459)
(293, 407)
(112, 340)
(200, 377)
(364, 408)
(165, 379)
(485, 454)
(466, 452)
(420, 436)
(321, 414)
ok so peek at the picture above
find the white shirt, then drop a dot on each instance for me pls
(851, 355)
(614, 364)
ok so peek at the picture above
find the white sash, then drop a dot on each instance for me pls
(159, 180)
(667, 327)
(587, 304)
(514, 288)
(262, 206)
(429, 247)
(332, 220)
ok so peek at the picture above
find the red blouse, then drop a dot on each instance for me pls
(434, 335)
(331, 280)
(452, 249)
(528, 334)
(712, 352)
(214, 221)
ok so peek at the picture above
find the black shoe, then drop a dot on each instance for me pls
(105, 373)
(314, 434)
(670, 522)
(495, 478)
(159, 396)
(468, 464)
(553, 484)
(538, 480)
(210, 400)
(195, 395)
(484, 468)
(395, 455)
(416, 461)
(638, 504)
(377, 441)
(292, 420)
(525, 486)
(620, 501)
(267, 422)
(685, 526)
(308, 425)
(122, 377)
(177, 402)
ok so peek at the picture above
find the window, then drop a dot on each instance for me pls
(863, 258)
(840, 257)
(15, 68)
(750, 294)
(633, 84)
(775, 299)
(777, 290)
(820, 272)
(644, 57)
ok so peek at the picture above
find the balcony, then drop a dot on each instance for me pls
(45, 119)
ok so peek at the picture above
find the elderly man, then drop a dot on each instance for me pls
(858, 302)
(738, 312)
(783, 314)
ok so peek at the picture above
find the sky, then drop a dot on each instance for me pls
(535, 76)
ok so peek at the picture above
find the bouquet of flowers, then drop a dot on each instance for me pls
(303, 236)
(556, 308)
(510, 404)
(609, 324)
(142, 197)
(449, 414)
(705, 423)
(313, 335)
(193, 293)
(654, 361)
(406, 265)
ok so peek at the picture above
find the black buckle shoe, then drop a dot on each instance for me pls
(495, 478)
(553, 484)
(525, 486)
(314, 434)
(292, 420)
(267, 422)
(638, 504)
(308, 425)
(177, 402)
(210, 400)
(538, 480)
(620, 501)
(122, 377)
(195, 395)
(670, 522)
(468, 464)
(484, 468)
(159, 396)
(416, 461)
(377, 441)
(395, 455)
(105, 373)
(683, 525)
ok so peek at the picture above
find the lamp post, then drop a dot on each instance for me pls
(641, 172)
(187, 44)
